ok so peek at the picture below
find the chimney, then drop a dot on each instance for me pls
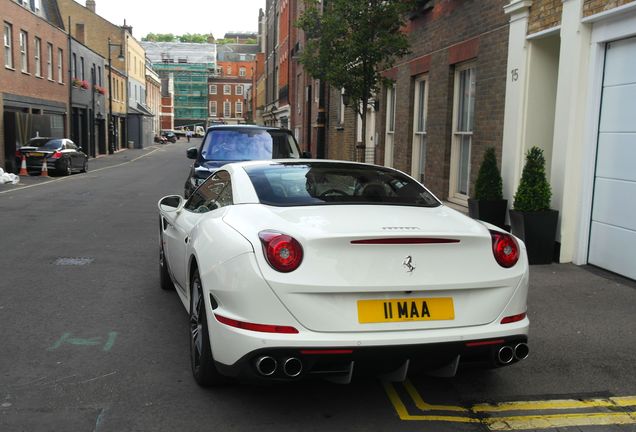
(90, 5)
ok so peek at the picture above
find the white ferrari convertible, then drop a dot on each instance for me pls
(291, 269)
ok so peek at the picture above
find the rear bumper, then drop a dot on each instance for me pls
(342, 363)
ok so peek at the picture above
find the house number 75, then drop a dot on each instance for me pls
(514, 75)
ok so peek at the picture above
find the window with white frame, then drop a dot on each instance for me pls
(463, 119)
(24, 51)
(390, 126)
(418, 160)
(8, 45)
(242, 71)
(49, 61)
(227, 109)
(74, 66)
(228, 70)
(238, 108)
(38, 57)
(213, 108)
(239, 89)
(60, 65)
(212, 89)
(227, 89)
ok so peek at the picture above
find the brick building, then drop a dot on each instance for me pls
(95, 32)
(571, 90)
(227, 90)
(34, 87)
(447, 104)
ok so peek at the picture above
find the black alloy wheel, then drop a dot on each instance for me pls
(201, 360)
(66, 168)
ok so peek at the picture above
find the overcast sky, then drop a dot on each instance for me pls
(182, 16)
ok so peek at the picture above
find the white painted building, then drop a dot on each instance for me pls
(571, 90)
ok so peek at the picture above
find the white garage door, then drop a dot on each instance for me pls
(613, 227)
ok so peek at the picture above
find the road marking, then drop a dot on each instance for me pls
(55, 180)
(475, 414)
(556, 404)
(94, 341)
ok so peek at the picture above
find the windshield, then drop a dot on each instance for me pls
(249, 144)
(315, 183)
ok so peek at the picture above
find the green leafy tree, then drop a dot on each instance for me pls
(533, 193)
(489, 185)
(194, 38)
(159, 37)
(350, 43)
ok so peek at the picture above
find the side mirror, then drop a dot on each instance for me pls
(171, 203)
(192, 153)
(306, 155)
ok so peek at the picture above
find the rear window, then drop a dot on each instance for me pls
(250, 144)
(317, 183)
(45, 143)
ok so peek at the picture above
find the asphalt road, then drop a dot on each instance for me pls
(89, 342)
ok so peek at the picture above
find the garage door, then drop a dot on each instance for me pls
(613, 226)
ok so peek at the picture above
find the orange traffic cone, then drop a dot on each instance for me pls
(23, 168)
(45, 169)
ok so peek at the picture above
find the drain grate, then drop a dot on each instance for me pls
(73, 261)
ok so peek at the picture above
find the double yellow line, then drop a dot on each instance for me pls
(475, 414)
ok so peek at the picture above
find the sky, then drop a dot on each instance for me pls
(182, 16)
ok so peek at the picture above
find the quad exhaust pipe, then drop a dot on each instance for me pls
(505, 355)
(292, 367)
(508, 353)
(522, 350)
(268, 365)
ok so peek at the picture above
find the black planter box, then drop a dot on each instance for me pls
(491, 211)
(538, 232)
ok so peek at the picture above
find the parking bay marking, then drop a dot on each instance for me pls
(66, 338)
(475, 414)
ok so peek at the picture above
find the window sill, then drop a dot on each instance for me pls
(25, 73)
(9, 68)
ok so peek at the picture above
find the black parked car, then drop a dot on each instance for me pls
(62, 155)
(169, 135)
(225, 144)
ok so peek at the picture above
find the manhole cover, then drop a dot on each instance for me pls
(73, 261)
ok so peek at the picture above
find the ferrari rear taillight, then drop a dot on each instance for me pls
(283, 252)
(56, 155)
(264, 328)
(504, 248)
(513, 318)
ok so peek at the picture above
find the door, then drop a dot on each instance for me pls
(613, 225)
(176, 229)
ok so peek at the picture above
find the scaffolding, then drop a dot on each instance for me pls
(190, 65)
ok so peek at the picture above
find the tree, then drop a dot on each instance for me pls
(350, 42)
(159, 37)
(534, 192)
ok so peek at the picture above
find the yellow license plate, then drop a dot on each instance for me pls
(414, 309)
(36, 154)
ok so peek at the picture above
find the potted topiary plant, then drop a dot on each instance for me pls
(531, 218)
(488, 203)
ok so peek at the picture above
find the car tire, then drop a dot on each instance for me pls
(201, 360)
(164, 276)
(85, 167)
(66, 168)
